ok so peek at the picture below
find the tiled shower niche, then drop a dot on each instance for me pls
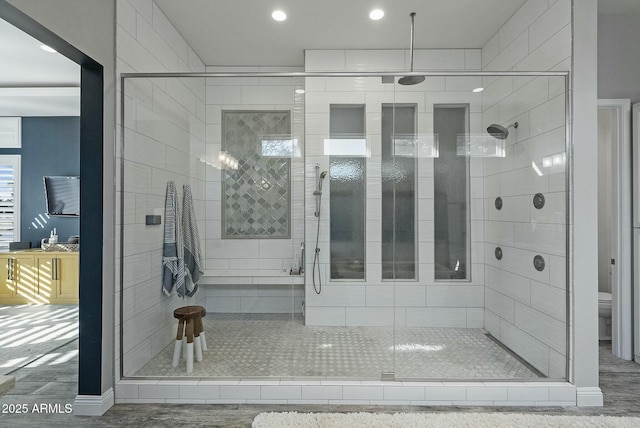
(257, 191)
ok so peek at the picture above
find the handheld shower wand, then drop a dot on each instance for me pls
(318, 192)
(316, 256)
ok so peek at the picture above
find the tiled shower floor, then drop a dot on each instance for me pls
(274, 345)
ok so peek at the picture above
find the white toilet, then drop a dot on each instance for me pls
(604, 315)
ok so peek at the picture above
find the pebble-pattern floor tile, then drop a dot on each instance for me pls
(279, 346)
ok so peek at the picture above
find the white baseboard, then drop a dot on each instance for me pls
(93, 405)
(589, 397)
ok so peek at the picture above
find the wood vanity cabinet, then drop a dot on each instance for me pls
(58, 276)
(39, 277)
(18, 279)
(6, 290)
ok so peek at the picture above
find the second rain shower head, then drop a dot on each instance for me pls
(499, 131)
(411, 80)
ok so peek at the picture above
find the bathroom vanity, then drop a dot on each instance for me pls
(37, 276)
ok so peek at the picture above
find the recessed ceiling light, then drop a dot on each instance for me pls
(376, 14)
(300, 91)
(48, 49)
(478, 90)
(279, 15)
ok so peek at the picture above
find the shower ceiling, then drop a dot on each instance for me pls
(242, 32)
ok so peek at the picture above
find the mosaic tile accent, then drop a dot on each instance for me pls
(256, 196)
(277, 345)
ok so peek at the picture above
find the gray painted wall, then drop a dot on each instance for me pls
(50, 146)
(619, 57)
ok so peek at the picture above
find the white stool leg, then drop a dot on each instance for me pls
(198, 348)
(203, 341)
(184, 347)
(176, 353)
(189, 357)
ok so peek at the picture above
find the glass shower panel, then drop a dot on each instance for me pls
(502, 315)
(524, 165)
(451, 193)
(243, 159)
(398, 191)
(347, 199)
(506, 321)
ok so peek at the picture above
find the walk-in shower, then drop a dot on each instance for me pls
(430, 259)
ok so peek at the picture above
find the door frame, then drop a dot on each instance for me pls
(622, 288)
(90, 357)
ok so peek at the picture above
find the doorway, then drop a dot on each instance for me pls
(91, 196)
(614, 224)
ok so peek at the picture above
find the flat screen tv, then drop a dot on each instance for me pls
(63, 195)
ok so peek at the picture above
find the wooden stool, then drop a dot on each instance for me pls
(189, 325)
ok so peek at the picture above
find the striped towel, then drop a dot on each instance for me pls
(172, 249)
(192, 254)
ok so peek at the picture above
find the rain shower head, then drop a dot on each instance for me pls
(411, 80)
(499, 131)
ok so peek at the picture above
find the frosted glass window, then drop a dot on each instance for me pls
(347, 194)
(398, 191)
(451, 194)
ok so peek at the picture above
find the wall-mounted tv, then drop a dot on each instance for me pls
(63, 195)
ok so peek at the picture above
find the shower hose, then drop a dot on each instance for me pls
(317, 287)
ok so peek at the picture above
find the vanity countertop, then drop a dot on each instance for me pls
(35, 250)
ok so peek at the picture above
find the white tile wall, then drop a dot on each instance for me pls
(555, 50)
(526, 309)
(321, 93)
(374, 60)
(370, 316)
(535, 352)
(508, 284)
(348, 392)
(436, 317)
(164, 134)
(246, 255)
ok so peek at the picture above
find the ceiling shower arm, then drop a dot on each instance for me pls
(412, 14)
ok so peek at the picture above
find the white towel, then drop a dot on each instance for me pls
(192, 255)
(172, 248)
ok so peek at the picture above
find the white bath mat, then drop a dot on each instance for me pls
(413, 420)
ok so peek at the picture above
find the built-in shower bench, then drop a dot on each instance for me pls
(252, 291)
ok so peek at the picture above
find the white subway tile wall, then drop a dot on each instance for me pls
(164, 137)
(526, 309)
(420, 303)
(257, 260)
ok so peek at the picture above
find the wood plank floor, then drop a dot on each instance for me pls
(56, 384)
